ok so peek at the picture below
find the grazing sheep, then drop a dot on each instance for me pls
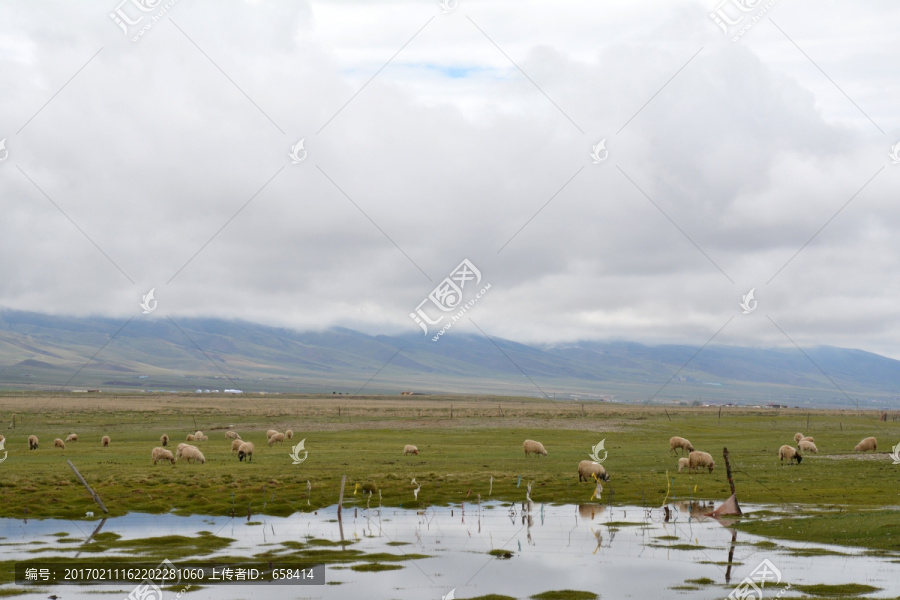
(798, 436)
(72, 437)
(680, 442)
(104, 441)
(789, 453)
(32, 442)
(698, 460)
(198, 434)
(246, 449)
(278, 437)
(180, 448)
(58, 443)
(684, 462)
(191, 437)
(533, 447)
(201, 438)
(193, 454)
(270, 433)
(235, 444)
(808, 446)
(159, 454)
(586, 468)
(232, 435)
(807, 439)
(164, 440)
(289, 434)
(410, 449)
(867, 444)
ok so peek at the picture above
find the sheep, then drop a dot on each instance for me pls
(587, 468)
(232, 435)
(104, 441)
(798, 436)
(246, 450)
(807, 439)
(270, 433)
(278, 437)
(72, 437)
(807, 446)
(410, 449)
(201, 438)
(198, 434)
(58, 443)
(32, 442)
(164, 440)
(699, 460)
(684, 462)
(789, 453)
(235, 444)
(191, 437)
(192, 453)
(159, 454)
(867, 444)
(680, 442)
(181, 448)
(289, 434)
(533, 447)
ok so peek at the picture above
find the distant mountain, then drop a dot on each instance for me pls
(39, 351)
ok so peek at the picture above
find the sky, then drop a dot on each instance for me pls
(613, 170)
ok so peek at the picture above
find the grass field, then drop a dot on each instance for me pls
(363, 438)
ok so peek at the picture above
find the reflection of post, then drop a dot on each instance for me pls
(731, 555)
(340, 506)
(95, 532)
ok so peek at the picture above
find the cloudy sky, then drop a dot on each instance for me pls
(155, 153)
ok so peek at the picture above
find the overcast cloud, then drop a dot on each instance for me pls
(164, 163)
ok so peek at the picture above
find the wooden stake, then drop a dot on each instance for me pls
(85, 484)
(667, 415)
(341, 496)
(730, 480)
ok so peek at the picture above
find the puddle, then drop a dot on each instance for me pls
(612, 551)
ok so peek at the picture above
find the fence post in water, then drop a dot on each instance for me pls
(85, 484)
(730, 480)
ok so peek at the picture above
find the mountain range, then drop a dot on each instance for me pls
(49, 352)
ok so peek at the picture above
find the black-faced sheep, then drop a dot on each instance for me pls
(533, 447)
(72, 437)
(587, 468)
(246, 450)
(58, 443)
(161, 454)
(680, 442)
(789, 453)
(867, 444)
(104, 441)
(410, 449)
(698, 460)
(32, 442)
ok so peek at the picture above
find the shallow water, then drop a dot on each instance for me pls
(585, 547)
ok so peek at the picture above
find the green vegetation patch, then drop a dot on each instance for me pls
(700, 581)
(493, 597)
(500, 553)
(844, 589)
(876, 529)
(370, 567)
(566, 595)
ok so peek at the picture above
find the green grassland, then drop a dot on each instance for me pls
(458, 457)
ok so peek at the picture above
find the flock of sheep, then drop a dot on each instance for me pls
(183, 451)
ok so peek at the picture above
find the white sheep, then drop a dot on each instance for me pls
(58, 443)
(410, 449)
(192, 454)
(798, 436)
(270, 433)
(164, 440)
(179, 449)
(104, 441)
(807, 439)
(235, 444)
(698, 460)
(289, 434)
(278, 437)
(201, 438)
(680, 442)
(867, 444)
(232, 435)
(246, 450)
(533, 447)
(198, 434)
(191, 437)
(72, 437)
(808, 446)
(789, 453)
(32, 442)
(587, 468)
(159, 454)
(684, 462)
